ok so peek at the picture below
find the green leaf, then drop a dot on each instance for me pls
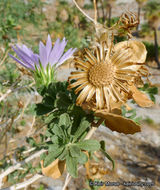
(82, 159)
(152, 97)
(146, 85)
(58, 131)
(42, 156)
(53, 147)
(71, 164)
(109, 158)
(64, 154)
(52, 156)
(103, 150)
(74, 150)
(81, 129)
(102, 143)
(31, 141)
(64, 120)
(42, 109)
(62, 101)
(77, 113)
(81, 138)
(48, 134)
(89, 145)
(54, 139)
(153, 90)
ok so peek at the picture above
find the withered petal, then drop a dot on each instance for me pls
(83, 94)
(140, 98)
(136, 48)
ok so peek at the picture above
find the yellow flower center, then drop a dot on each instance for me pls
(101, 74)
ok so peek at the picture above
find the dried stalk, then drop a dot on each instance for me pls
(25, 183)
(13, 89)
(68, 178)
(18, 165)
(5, 95)
(91, 19)
(4, 58)
(95, 11)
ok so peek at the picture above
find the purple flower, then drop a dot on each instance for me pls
(56, 54)
(47, 54)
(28, 58)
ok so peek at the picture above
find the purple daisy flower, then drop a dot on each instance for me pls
(55, 55)
(47, 54)
(28, 58)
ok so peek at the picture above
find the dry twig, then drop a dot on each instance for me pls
(18, 165)
(25, 183)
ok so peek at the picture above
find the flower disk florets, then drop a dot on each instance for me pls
(101, 74)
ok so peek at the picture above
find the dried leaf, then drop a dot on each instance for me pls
(140, 98)
(55, 169)
(119, 123)
(136, 48)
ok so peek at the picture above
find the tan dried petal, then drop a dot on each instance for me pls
(138, 82)
(119, 123)
(55, 169)
(115, 107)
(140, 98)
(136, 48)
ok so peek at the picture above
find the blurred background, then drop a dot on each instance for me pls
(137, 157)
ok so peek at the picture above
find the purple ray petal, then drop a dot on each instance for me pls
(18, 61)
(54, 51)
(61, 50)
(43, 54)
(58, 52)
(35, 57)
(48, 45)
(26, 50)
(23, 56)
(66, 56)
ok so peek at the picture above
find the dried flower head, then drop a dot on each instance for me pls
(107, 76)
(128, 21)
